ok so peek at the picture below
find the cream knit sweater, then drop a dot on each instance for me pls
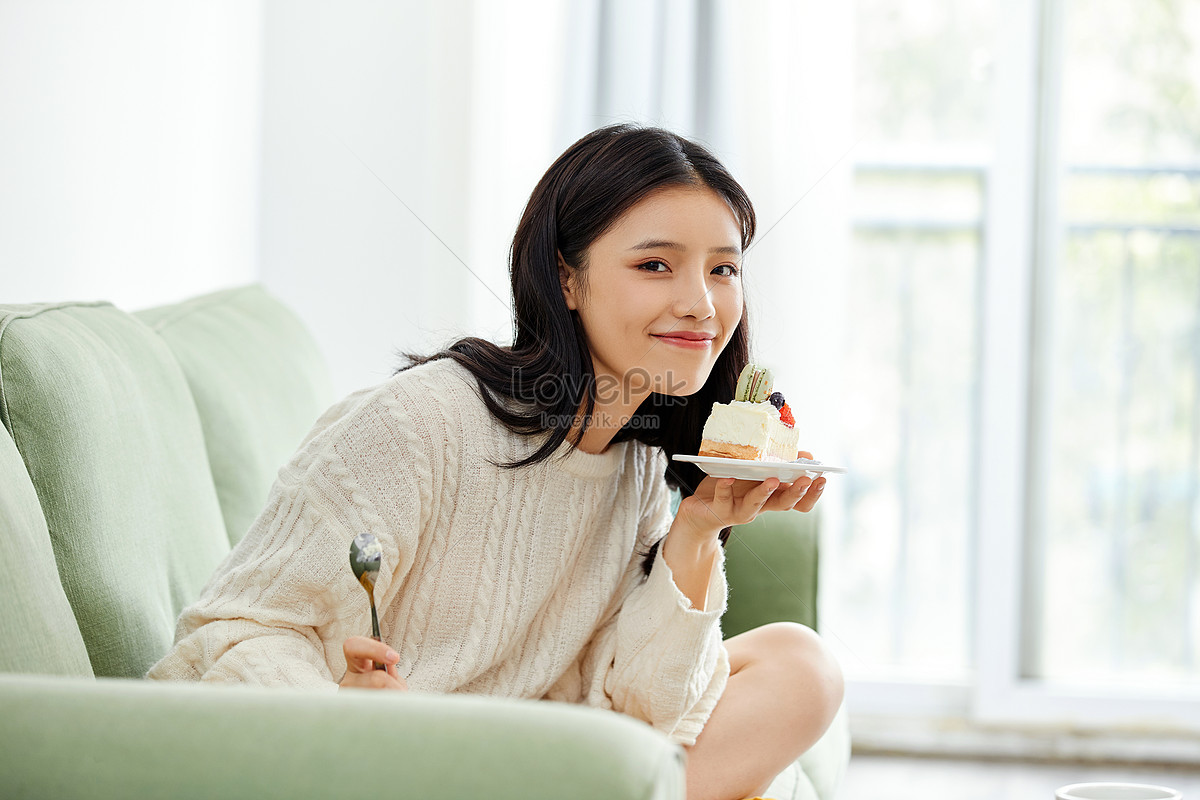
(514, 583)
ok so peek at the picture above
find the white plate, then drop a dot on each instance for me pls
(785, 471)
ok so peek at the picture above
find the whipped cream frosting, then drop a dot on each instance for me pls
(754, 424)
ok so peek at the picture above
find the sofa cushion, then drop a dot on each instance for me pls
(259, 382)
(38, 633)
(102, 416)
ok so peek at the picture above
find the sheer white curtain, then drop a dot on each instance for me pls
(767, 87)
(545, 74)
(659, 63)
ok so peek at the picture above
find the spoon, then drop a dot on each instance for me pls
(365, 555)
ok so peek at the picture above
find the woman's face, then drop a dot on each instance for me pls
(668, 269)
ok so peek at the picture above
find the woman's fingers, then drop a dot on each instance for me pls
(801, 495)
(748, 506)
(394, 671)
(722, 507)
(737, 502)
(811, 497)
(788, 495)
(762, 493)
(711, 507)
(730, 508)
(362, 652)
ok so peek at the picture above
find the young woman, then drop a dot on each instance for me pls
(520, 493)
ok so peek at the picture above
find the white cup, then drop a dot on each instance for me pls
(1116, 791)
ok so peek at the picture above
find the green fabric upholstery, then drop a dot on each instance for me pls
(771, 564)
(38, 633)
(102, 416)
(259, 381)
(119, 739)
(771, 567)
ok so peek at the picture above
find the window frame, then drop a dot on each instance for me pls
(1022, 239)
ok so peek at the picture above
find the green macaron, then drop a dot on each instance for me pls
(754, 384)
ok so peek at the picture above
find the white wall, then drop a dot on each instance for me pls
(401, 141)
(129, 144)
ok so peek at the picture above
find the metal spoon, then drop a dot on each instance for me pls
(365, 556)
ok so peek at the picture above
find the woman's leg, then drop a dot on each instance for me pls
(783, 691)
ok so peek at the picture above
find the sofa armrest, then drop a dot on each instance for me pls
(68, 737)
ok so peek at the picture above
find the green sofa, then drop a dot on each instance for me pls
(136, 449)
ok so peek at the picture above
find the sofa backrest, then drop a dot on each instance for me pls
(771, 568)
(259, 381)
(102, 416)
(38, 633)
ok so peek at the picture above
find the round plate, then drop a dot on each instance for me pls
(785, 471)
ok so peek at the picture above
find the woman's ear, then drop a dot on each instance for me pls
(564, 280)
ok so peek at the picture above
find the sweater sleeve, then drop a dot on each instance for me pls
(278, 609)
(656, 657)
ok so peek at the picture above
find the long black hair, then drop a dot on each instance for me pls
(546, 374)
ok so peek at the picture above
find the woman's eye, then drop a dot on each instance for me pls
(732, 270)
(649, 266)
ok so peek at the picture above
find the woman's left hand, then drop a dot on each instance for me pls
(714, 506)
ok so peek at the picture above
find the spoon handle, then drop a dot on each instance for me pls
(375, 634)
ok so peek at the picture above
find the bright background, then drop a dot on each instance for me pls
(977, 276)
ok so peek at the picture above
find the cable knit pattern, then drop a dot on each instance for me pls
(515, 583)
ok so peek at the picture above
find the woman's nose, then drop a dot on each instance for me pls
(693, 299)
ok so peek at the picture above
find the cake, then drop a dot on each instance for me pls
(757, 425)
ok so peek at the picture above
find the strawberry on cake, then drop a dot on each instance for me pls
(757, 425)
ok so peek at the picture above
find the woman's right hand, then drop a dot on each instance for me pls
(361, 654)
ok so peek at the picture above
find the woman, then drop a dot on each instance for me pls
(520, 494)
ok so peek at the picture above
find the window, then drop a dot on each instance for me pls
(922, 112)
(1023, 392)
(1118, 402)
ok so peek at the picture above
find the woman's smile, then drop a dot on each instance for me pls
(687, 341)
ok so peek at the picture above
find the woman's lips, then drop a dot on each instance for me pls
(687, 344)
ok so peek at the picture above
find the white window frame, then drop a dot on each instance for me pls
(1022, 234)
(1013, 422)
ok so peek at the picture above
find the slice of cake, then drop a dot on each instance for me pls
(757, 425)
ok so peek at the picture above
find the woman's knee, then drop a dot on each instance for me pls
(807, 662)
